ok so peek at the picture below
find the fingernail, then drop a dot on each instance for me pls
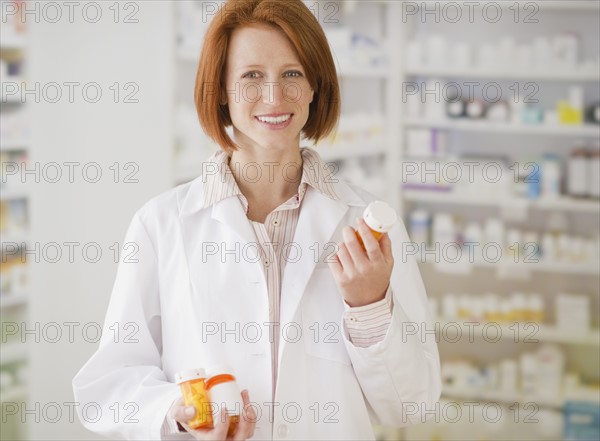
(189, 411)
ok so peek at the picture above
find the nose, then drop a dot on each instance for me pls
(272, 93)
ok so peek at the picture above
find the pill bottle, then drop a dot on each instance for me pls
(192, 385)
(380, 218)
(594, 173)
(551, 176)
(225, 393)
(578, 173)
(420, 221)
(536, 308)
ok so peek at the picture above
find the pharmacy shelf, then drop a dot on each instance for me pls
(12, 300)
(509, 267)
(562, 5)
(12, 193)
(584, 130)
(12, 98)
(527, 332)
(498, 397)
(10, 41)
(13, 393)
(364, 72)
(456, 198)
(544, 5)
(533, 75)
(14, 144)
(10, 352)
(331, 154)
(10, 238)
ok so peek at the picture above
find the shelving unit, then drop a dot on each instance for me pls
(508, 331)
(503, 398)
(15, 200)
(508, 267)
(488, 138)
(457, 198)
(583, 76)
(584, 130)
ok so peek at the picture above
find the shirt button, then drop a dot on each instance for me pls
(267, 262)
(282, 430)
(275, 222)
(352, 318)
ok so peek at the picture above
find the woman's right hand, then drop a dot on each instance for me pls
(245, 430)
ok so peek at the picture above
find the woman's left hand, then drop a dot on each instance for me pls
(362, 277)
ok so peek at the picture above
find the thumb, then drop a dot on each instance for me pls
(183, 413)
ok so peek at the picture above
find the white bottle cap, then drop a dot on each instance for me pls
(379, 216)
(189, 374)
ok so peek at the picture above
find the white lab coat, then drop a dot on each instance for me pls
(181, 305)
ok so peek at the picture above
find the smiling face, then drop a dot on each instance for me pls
(265, 84)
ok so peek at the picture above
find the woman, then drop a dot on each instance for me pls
(254, 264)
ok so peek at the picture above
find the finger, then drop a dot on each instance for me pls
(372, 246)
(183, 414)
(221, 424)
(198, 434)
(335, 266)
(344, 257)
(356, 252)
(386, 247)
(245, 429)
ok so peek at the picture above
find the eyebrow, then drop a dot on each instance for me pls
(253, 66)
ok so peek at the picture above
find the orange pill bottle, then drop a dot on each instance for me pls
(225, 393)
(193, 388)
(380, 218)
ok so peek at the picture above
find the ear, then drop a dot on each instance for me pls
(312, 95)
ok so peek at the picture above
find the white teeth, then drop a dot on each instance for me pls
(273, 120)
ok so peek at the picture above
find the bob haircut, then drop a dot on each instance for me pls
(296, 21)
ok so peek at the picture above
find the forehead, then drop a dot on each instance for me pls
(259, 44)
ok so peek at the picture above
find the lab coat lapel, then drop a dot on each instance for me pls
(318, 221)
(228, 212)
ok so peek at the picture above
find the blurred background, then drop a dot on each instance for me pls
(478, 121)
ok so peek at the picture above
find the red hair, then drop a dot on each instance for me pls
(299, 25)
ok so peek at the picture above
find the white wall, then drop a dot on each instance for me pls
(105, 132)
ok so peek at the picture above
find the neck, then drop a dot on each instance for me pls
(267, 175)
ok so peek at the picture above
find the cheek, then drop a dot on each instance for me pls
(297, 93)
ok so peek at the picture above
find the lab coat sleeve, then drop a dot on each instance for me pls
(400, 375)
(122, 385)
